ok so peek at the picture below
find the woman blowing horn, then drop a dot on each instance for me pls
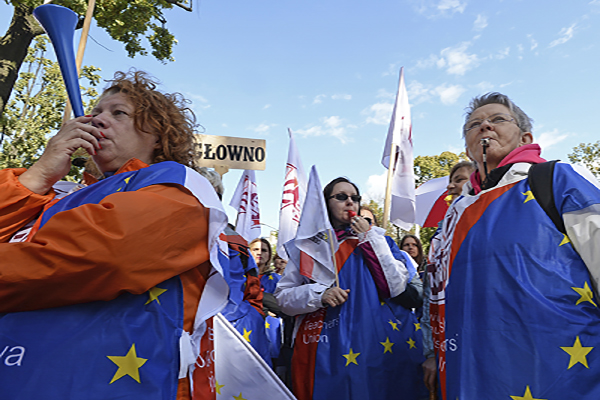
(105, 291)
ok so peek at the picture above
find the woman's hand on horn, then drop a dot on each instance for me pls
(55, 162)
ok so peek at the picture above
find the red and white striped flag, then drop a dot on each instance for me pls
(402, 211)
(431, 202)
(294, 192)
(315, 238)
(245, 200)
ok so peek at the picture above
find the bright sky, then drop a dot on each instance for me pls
(328, 70)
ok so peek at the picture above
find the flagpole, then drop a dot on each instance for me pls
(388, 189)
(337, 278)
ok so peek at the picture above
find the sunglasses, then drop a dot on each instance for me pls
(343, 197)
(369, 220)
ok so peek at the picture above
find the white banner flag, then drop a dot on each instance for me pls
(240, 372)
(228, 367)
(294, 192)
(402, 212)
(315, 236)
(245, 200)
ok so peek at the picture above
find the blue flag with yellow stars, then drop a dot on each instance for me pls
(241, 314)
(269, 281)
(124, 348)
(367, 348)
(522, 318)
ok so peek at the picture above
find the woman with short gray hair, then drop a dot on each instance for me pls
(514, 308)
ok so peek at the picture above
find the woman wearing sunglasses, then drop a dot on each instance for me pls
(352, 342)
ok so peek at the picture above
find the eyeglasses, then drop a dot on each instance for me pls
(343, 197)
(495, 119)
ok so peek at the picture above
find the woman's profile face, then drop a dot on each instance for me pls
(261, 253)
(368, 215)
(338, 209)
(279, 264)
(457, 180)
(113, 116)
(411, 247)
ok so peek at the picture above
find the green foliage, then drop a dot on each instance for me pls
(127, 21)
(36, 107)
(430, 167)
(130, 21)
(589, 155)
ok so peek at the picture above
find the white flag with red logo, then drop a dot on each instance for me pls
(245, 200)
(315, 243)
(294, 192)
(228, 367)
(402, 211)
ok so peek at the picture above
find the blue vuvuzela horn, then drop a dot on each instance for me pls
(59, 23)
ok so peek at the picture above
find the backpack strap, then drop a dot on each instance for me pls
(541, 184)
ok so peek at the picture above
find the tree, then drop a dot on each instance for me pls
(125, 21)
(589, 155)
(36, 108)
(430, 167)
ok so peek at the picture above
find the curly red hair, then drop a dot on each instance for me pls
(164, 114)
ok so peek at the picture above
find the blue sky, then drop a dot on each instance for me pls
(329, 69)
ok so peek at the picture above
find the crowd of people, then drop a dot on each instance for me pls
(100, 278)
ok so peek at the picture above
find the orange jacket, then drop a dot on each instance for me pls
(129, 242)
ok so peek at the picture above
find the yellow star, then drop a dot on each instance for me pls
(383, 303)
(387, 345)
(417, 326)
(128, 365)
(246, 335)
(565, 240)
(351, 357)
(586, 294)
(270, 277)
(218, 387)
(154, 293)
(411, 343)
(267, 324)
(394, 325)
(577, 353)
(239, 397)
(127, 179)
(529, 196)
(526, 396)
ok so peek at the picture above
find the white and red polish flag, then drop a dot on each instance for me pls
(315, 243)
(431, 202)
(402, 210)
(245, 200)
(294, 192)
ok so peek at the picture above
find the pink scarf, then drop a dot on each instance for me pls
(529, 153)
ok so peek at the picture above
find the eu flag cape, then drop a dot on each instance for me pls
(125, 348)
(367, 348)
(515, 313)
(241, 314)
